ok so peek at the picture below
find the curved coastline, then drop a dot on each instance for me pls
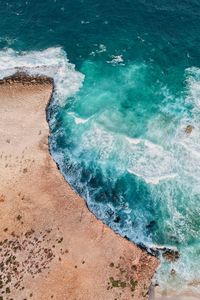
(86, 251)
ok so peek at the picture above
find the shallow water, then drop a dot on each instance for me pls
(119, 120)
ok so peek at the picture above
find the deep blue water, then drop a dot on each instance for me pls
(119, 133)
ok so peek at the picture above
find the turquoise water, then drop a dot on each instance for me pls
(127, 84)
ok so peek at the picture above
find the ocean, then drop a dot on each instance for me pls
(125, 114)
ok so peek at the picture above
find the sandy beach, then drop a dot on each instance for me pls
(51, 245)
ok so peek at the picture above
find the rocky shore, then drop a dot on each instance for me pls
(51, 245)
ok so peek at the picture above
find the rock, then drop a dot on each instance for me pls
(171, 255)
(173, 272)
(189, 129)
(117, 219)
(151, 224)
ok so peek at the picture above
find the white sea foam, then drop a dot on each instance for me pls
(51, 62)
(149, 161)
(99, 139)
(136, 141)
(101, 48)
(116, 60)
(133, 141)
(78, 120)
(153, 180)
(193, 82)
(85, 22)
(9, 41)
(181, 196)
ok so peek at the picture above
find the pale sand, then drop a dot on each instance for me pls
(51, 246)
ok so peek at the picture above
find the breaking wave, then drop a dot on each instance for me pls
(51, 62)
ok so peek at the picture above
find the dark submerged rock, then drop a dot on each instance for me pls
(171, 255)
(189, 129)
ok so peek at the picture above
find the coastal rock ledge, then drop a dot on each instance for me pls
(51, 245)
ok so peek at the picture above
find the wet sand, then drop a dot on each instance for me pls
(51, 245)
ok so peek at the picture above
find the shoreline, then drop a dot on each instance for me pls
(94, 254)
